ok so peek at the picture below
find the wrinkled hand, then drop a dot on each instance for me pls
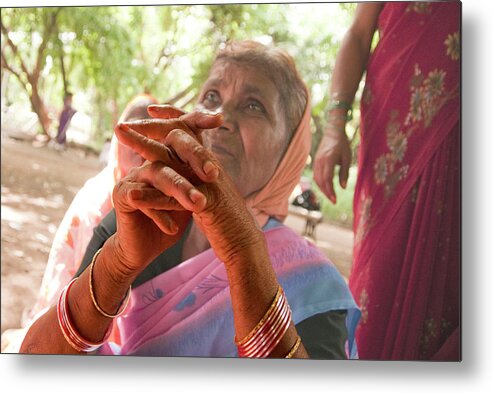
(224, 219)
(148, 221)
(334, 149)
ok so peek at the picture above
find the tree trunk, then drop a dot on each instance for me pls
(64, 74)
(39, 108)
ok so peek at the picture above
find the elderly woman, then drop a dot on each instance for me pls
(234, 281)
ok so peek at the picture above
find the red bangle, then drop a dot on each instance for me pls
(277, 334)
(257, 342)
(266, 326)
(71, 335)
(273, 327)
(265, 345)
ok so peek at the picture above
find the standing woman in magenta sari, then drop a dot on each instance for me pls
(406, 269)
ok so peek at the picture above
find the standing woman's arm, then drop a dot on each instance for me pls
(351, 61)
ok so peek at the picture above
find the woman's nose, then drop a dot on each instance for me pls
(230, 117)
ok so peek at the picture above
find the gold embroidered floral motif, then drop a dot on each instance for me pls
(363, 305)
(429, 333)
(388, 170)
(414, 193)
(419, 7)
(394, 179)
(381, 169)
(427, 96)
(364, 223)
(397, 143)
(445, 328)
(453, 46)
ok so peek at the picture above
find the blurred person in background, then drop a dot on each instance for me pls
(64, 121)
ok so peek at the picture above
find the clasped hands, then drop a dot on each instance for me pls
(180, 178)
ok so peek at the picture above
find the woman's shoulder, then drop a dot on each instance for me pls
(287, 247)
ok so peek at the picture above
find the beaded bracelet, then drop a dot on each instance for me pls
(71, 335)
(269, 331)
(125, 300)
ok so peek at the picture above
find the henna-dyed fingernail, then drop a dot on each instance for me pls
(123, 126)
(210, 169)
(196, 196)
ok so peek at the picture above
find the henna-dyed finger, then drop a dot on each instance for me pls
(163, 220)
(194, 154)
(157, 129)
(146, 147)
(171, 183)
(202, 119)
(165, 111)
(151, 198)
(197, 119)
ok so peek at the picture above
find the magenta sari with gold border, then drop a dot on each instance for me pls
(406, 271)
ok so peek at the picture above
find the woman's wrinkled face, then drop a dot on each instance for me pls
(251, 141)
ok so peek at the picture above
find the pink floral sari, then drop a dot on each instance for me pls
(406, 271)
(187, 311)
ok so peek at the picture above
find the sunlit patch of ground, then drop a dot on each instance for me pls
(38, 184)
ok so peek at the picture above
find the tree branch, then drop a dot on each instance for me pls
(14, 49)
(10, 69)
(180, 95)
(50, 27)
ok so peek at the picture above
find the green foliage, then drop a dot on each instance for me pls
(342, 212)
(113, 53)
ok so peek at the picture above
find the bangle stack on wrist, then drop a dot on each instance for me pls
(73, 338)
(267, 334)
(340, 104)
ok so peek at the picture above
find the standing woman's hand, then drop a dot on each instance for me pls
(334, 149)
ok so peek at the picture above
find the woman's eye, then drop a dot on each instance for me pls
(211, 97)
(255, 106)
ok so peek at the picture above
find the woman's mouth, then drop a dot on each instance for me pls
(221, 150)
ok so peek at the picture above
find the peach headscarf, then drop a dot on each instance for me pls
(272, 199)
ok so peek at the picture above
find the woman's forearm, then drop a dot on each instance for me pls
(253, 287)
(109, 284)
(354, 52)
(351, 61)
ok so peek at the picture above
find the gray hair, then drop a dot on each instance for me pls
(280, 67)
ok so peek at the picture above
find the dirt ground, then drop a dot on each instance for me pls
(37, 185)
